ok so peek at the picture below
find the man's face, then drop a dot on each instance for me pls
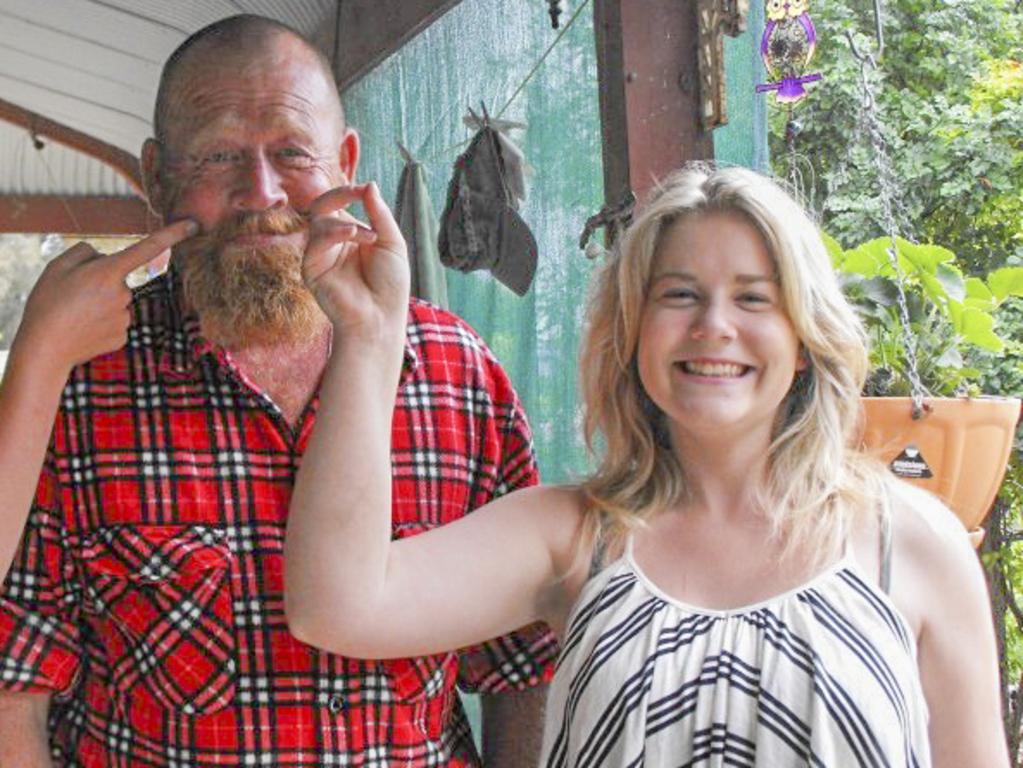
(252, 136)
(248, 146)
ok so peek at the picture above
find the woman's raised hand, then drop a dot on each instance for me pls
(359, 274)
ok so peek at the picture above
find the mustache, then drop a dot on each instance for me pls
(278, 221)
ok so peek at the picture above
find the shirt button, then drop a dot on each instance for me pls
(336, 704)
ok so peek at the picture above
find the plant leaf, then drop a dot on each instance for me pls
(867, 259)
(935, 290)
(978, 329)
(978, 296)
(1007, 281)
(834, 249)
(925, 257)
(952, 281)
(950, 358)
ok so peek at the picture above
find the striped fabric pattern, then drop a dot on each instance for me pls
(823, 675)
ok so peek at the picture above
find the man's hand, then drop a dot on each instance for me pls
(359, 274)
(79, 307)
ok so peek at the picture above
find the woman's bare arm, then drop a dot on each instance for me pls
(348, 589)
(937, 576)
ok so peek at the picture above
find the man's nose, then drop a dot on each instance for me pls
(258, 186)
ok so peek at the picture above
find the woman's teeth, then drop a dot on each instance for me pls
(717, 370)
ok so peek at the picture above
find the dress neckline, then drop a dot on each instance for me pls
(845, 562)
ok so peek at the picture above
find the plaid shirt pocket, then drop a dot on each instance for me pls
(162, 601)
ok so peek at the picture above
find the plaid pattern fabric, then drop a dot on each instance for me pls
(147, 593)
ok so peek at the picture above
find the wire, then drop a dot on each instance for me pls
(543, 57)
(40, 146)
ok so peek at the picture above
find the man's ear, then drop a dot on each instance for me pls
(348, 154)
(152, 157)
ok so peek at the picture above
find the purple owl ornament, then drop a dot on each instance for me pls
(787, 46)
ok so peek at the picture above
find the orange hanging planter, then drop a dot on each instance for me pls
(958, 449)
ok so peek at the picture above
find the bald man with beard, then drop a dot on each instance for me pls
(142, 623)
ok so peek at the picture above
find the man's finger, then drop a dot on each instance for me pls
(154, 245)
(340, 230)
(337, 198)
(154, 268)
(380, 216)
(326, 233)
(76, 254)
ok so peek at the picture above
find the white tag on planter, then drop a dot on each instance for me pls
(910, 463)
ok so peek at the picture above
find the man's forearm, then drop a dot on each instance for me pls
(23, 734)
(513, 728)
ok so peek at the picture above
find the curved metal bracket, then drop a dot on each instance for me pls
(716, 19)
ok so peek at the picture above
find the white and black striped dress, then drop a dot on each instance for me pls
(823, 675)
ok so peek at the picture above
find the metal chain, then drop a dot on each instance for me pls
(888, 185)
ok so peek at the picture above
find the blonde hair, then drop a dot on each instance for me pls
(816, 476)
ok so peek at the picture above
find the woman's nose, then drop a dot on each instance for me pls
(714, 320)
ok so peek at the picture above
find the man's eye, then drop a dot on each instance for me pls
(293, 157)
(220, 157)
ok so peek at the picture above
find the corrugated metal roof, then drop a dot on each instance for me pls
(94, 65)
(53, 169)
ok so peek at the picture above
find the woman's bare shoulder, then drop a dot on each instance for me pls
(934, 567)
(924, 526)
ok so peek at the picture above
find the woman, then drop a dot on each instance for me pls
(735, 584)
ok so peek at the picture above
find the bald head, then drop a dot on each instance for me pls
(236, 42)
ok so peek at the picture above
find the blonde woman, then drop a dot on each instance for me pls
(735, 584)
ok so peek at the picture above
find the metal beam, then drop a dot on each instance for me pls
(124, 163)
(75, 215)
(650, 105)
(368, 31)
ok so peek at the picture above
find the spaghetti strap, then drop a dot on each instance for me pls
(885, 544)
(599, 552)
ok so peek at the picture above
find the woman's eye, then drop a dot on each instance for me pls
(754, 298)
(680, 294)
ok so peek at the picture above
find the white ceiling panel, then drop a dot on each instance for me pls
(94, 65)
(42, 172)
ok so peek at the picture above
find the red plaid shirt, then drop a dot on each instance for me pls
(147, 595)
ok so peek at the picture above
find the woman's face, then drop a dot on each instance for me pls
(717, 352)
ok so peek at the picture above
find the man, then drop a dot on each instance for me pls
(142, 623)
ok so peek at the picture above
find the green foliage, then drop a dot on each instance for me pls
(950, 314)
(951, 104)
(949, 100)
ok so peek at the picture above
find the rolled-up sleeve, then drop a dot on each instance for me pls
(39, 604)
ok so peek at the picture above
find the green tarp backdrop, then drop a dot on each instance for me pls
(481, 51)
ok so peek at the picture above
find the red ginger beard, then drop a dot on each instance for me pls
(249, 294)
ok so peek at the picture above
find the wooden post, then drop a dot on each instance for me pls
(658, 101)
(75, 215)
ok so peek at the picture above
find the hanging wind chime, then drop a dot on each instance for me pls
(787, 46)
